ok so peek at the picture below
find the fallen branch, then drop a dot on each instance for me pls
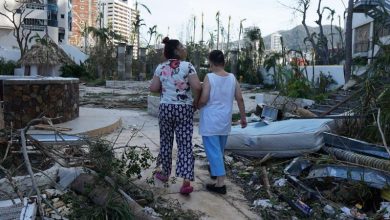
(101, 194)
(27, 162)
(12, 182)
(264, 177)
(378, 120)
(8, 146)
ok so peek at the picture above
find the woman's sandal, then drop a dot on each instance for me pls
(161, 177)
(186, 188)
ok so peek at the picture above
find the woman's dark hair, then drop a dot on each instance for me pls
(170, 47)
(217, 58)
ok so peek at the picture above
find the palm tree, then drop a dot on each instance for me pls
(138, 23)
(193, 39)
(151, 32)
(348, 42)
(101, 55)
(211, 41)
(158, 37)
(202, 29)
(239, 33)
(228, 35)
(331, 17)
(217, 18)
(271, 61)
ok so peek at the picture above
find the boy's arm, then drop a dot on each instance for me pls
(241, 106)
(204, 97)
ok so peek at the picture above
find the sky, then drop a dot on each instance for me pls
(174, 17)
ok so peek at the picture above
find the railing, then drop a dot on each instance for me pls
(37, 6)
(34, 27)
(362, 46)
(372, 3)
(366, 2)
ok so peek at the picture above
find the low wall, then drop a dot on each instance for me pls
(26, 98)
(336, 71)
(117, 84)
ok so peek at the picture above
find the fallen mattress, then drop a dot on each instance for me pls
(288, 138)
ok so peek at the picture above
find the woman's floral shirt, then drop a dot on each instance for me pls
(174, 75)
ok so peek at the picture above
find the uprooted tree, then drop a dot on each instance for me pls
(16, 14)
(318, 41)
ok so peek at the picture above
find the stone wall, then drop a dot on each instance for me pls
(26, 99)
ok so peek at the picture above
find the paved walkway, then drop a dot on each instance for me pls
(233, 205)
(96, 121)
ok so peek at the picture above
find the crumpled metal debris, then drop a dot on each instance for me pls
(371, 177)
(264, 203)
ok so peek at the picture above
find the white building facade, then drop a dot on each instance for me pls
(39, 16)
(276, 42)
(370, 20)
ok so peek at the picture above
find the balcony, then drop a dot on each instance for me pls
(363, 6)
(35, 6)
(33, 27)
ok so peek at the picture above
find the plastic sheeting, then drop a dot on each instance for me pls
(288, 138)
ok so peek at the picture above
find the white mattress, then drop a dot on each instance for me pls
(288, 138)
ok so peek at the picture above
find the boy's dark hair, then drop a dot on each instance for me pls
(217, 58)
(170, 47)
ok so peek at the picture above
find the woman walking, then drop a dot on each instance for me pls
(180, 87)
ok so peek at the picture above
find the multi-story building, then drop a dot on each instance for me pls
(276, 42)
(38, 16)
(85, 14)
(117, 15)
(120, 15)
(370, 23)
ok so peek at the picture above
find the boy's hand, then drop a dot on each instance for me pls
(243, 122)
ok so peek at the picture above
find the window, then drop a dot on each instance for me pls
(82, 7)
(62, 16)
(362, 38)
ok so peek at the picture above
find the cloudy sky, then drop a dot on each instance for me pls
(174, 17)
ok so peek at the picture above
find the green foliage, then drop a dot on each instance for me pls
(102, 62)
(298, 88)
(374, 94)
(251, 56)
(74, 70)
(7, 67)
(359, 61)
(83, 209)
(324, 82)
(153, 58)
(130, 164)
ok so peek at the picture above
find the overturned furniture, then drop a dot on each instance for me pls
(288, 138)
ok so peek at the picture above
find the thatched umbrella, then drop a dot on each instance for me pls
(45, 56)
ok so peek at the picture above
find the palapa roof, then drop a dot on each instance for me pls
(45, 52)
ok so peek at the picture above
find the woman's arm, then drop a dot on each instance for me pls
(241, 105)
(195, 87)
(204, 97)
(155, 86)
